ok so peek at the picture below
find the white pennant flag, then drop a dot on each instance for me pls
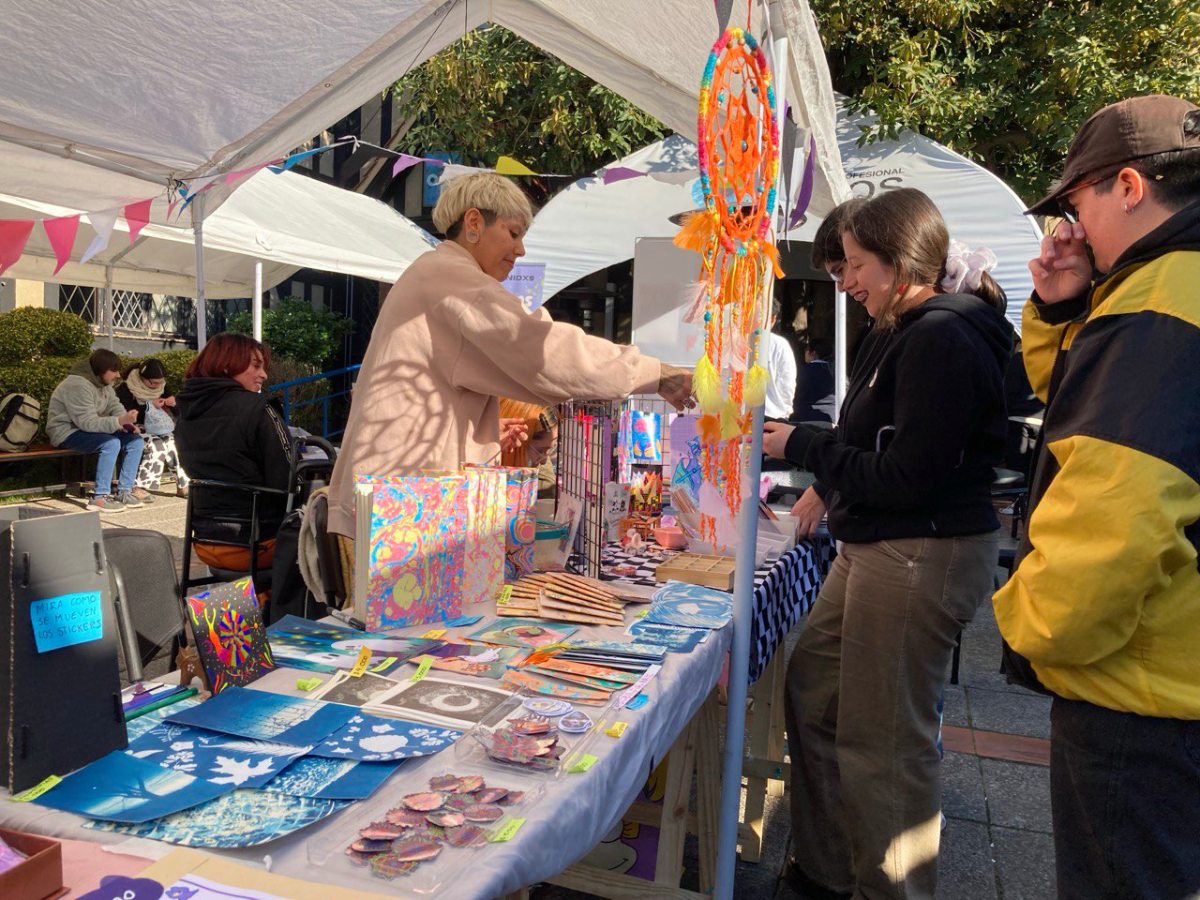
(103, 223)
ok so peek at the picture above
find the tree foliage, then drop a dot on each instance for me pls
(492, 93)
(1006, 82)
(293, 328)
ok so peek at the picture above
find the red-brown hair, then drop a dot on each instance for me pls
(227, 355)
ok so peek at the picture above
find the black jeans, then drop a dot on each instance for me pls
(1125, 794)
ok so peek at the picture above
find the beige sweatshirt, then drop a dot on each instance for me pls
(449, 340)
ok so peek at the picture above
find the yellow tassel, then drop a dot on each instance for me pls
(772, 253)
(731, 421)
(698, 230)
(756, 385)
(706, 385)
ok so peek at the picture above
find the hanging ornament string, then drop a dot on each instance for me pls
(738, 146)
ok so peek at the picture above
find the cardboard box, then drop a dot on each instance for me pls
(40, 876)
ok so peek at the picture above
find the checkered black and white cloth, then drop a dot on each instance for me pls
(783, 591)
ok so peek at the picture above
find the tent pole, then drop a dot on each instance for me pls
(108, 305)
(201, 304)
(743, 585)
(840, 349)
(256, 305)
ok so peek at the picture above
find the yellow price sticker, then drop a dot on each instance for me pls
(507, 831)
(37, 790)
(423, 668)
(384, 665)
(642, 613)
(618, 729)
(504, 596)
(308, 684)
(360, 664)
(434, 633)
(584, 763)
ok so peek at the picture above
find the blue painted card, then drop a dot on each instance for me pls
(376, 739)
(219, 758)
(66, 620)
(120, 788)
(241, 818)
(690, 605)
(332, 779)
(673, 637)
(266, 717)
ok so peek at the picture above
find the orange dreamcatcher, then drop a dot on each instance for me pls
(739, 166)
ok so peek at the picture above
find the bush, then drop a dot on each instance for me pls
(294, 329)
(31, 333)
(306, 416)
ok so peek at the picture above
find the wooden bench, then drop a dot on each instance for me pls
(38, 453)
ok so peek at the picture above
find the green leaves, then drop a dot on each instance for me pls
(1006, 82)
(293, 328)
(492, 93)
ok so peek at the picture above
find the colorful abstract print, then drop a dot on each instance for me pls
(418, 542)
(522, 528)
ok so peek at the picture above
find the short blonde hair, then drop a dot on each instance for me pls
(484, 191)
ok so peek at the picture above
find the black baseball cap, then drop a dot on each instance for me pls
(1119, 134)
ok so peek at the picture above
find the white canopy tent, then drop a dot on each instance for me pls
(590, 225)
(287, 221)
(174, 90)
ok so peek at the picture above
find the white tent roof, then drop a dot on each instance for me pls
(590, 225)
(170, 88)
(288, 221)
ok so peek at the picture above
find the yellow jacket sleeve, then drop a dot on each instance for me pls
(1107, 534)
(1040, 343)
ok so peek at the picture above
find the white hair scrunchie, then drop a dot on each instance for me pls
(965, 267)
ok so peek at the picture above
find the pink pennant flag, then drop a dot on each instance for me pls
(61, 232)
(103, 222)
(14, 235)
(233, 177)
(614, 174)
(137, 215)
(405, 162)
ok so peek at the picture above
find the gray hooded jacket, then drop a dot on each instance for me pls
(82, 402)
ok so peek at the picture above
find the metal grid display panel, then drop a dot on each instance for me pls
(587, 462)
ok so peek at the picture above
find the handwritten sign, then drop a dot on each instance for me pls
(66, 620)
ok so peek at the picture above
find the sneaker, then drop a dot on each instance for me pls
(105, 504)
(142, 494)
(129, 499)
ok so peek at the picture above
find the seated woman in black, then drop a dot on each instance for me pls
(227, 431)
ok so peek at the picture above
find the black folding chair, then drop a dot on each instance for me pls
(150, 618)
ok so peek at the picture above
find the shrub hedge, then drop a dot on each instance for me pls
(32, 332)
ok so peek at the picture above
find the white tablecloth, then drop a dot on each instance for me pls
(570, 818)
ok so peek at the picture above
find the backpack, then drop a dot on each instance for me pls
(19, 414)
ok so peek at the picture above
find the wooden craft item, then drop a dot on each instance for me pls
(187, 661)
(697, 568)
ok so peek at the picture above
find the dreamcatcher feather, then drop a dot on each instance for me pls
(739, 165)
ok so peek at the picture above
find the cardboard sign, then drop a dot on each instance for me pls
(66, 620)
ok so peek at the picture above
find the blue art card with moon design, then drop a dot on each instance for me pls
(241, 818)
(266, 717)
(375, 739)
(122, 788)
(218, 758)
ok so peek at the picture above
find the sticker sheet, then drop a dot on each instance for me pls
(242, 818)
(218, 758)
(230, 637)
(417, 546)
(121, 788)
(266, 717)
(332, 779)
(376, 739)
(483, 662)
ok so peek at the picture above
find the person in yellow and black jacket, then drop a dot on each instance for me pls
(1103, 609)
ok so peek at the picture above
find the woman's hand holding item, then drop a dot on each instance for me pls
(127, 418)
(810, 510)
(675, 386)
(1063, 271)
(513, 433)
(775, 438)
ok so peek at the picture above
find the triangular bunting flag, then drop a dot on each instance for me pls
(614, 174)
(14, 235)
(233, 177)
(103, 223)
(451, 171)
(506, 165)
(137, 215)
(405, 162)
(61, 233)
(296, 157)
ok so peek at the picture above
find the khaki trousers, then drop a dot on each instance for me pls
(862, 693)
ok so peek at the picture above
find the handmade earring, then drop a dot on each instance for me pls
(474, 238)
(1126, 208)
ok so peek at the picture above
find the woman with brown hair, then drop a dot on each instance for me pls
(906, 478)
(228, 431)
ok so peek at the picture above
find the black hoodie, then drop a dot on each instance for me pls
(227, 433)
(922, 425)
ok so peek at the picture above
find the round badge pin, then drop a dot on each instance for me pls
(575, 723)
(545, 706)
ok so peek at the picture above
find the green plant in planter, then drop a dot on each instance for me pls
(294, 329)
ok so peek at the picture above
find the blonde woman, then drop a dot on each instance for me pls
(450, 340)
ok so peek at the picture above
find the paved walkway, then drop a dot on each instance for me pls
(997, 843)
